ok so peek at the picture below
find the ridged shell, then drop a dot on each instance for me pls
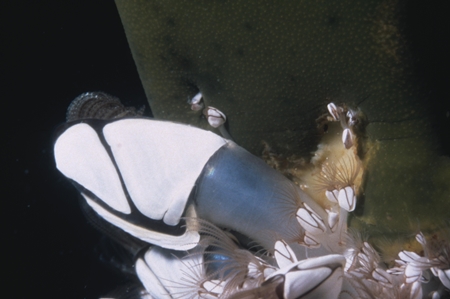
(99, 105)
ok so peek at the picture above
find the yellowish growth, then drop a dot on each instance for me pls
(333, 167)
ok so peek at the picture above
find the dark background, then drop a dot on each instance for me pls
(51, 51)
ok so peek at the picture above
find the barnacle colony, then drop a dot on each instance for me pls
(175, 188)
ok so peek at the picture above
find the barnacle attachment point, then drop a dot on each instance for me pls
(214, 116)
(217, 119)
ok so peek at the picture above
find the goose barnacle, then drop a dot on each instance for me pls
(135, 177)
(201, 202)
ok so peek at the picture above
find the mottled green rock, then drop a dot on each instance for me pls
(272, 66)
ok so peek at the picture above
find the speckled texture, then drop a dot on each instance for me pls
(272, 68)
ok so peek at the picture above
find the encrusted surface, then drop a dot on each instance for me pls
(272, 68)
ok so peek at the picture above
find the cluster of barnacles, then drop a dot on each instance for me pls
(364, 274)
(348, 118)
(239, 273)
(311, 253)
(333, 182)
(418, 269)
(358, 272)
(370, 278)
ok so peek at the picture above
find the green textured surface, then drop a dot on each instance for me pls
(272, 66)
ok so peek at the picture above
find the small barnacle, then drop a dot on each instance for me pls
(99, 105)
(347, 138)
(215, 117)
(335, 111)
(196, 102)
